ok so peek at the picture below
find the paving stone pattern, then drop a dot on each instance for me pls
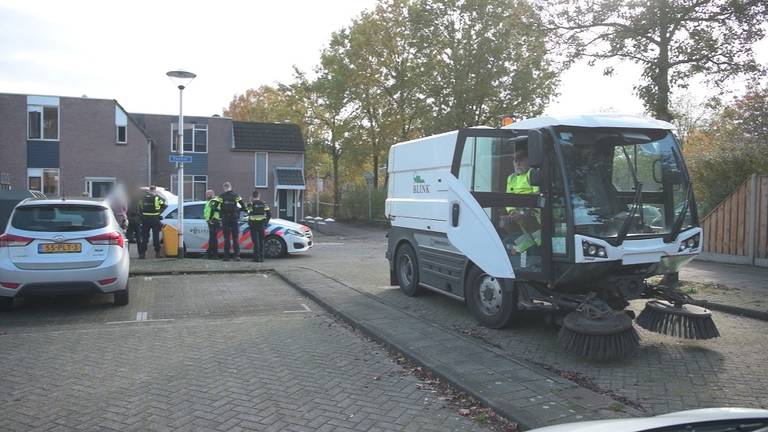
(529, 396)
(245, 371)
(665, 375)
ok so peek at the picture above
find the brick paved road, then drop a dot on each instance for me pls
(239, 354)
(666, 375)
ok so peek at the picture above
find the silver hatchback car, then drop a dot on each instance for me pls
(63, 246)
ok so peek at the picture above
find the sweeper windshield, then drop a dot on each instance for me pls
(625, 183)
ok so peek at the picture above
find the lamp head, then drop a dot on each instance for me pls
(181, 78)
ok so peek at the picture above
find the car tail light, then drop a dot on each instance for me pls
(11, 285)
(10, 240)
(113, 238)
(107, 281)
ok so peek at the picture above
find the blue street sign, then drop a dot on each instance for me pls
(179, 158)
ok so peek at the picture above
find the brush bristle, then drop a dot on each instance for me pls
(599, 347)
(682, 325)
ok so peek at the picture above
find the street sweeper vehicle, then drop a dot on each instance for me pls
(568, 217)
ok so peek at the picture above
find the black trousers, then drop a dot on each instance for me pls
(134, 230)
(231, 229)
(149, 224)
(213, 241)
(257, 235)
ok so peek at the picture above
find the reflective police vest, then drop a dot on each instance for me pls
(151, 205)
(229, 203)
(211, 210)
(257, 211)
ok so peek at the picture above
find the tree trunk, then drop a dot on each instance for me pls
(375, 169)
(662, 72)
(336, 191)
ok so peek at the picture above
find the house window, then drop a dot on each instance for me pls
(195, 138)
(261, 178)
(42, 118)
(45, 180)
(99, 187)
(194, 187)
(121, 126)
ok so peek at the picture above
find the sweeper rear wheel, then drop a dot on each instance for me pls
(606, 338)
(687, 321)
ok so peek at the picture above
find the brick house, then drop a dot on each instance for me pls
(64, 146)
(67, 146)
(264, 156)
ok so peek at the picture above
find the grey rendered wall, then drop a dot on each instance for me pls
(279, 160)
(89, 149)
(13, 139)
(158, 126)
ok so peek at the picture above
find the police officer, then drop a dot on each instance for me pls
(230, 205)
(150, 209)
(212, 216)
(258, 218)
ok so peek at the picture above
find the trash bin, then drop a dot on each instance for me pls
(170, 240)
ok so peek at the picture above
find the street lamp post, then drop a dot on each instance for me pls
(182, 79)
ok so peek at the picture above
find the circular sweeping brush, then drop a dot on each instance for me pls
(687, 321)
(605, 338)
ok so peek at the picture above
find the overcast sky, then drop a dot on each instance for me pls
(121, 50)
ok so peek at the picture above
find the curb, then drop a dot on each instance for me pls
(733, 310)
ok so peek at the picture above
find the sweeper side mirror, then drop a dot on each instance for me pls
(535, 148)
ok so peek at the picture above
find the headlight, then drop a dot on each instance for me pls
(592, 250)
(294, 232)
(691, 243)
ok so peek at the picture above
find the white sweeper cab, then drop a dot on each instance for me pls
(564, 216)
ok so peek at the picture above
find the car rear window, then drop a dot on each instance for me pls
(60, 217)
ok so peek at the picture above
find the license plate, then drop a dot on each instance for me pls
(59, 248)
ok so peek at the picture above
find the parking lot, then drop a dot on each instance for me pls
(205, 352)
(234, 350)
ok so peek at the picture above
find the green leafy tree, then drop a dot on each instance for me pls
(487, 58)
(731, 148)
(673, 40)
(330, 117)
(386, 75)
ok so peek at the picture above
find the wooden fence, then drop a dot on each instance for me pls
(736, 231)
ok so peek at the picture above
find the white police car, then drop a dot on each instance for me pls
(282, 237)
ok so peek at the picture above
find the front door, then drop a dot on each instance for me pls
(491, 164)
(282, 203)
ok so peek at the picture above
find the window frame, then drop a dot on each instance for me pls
(195, 128)
(504, 199)
(256, 173)
(90, 180)
(193, 181)
(40, 173)
(42, 121)
(119, 123)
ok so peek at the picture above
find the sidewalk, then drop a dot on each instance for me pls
(736, 286)
(530, 397)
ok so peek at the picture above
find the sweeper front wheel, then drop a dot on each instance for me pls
(606, 338)
(491, 302)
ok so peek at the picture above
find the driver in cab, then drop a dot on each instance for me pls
(525, 222)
